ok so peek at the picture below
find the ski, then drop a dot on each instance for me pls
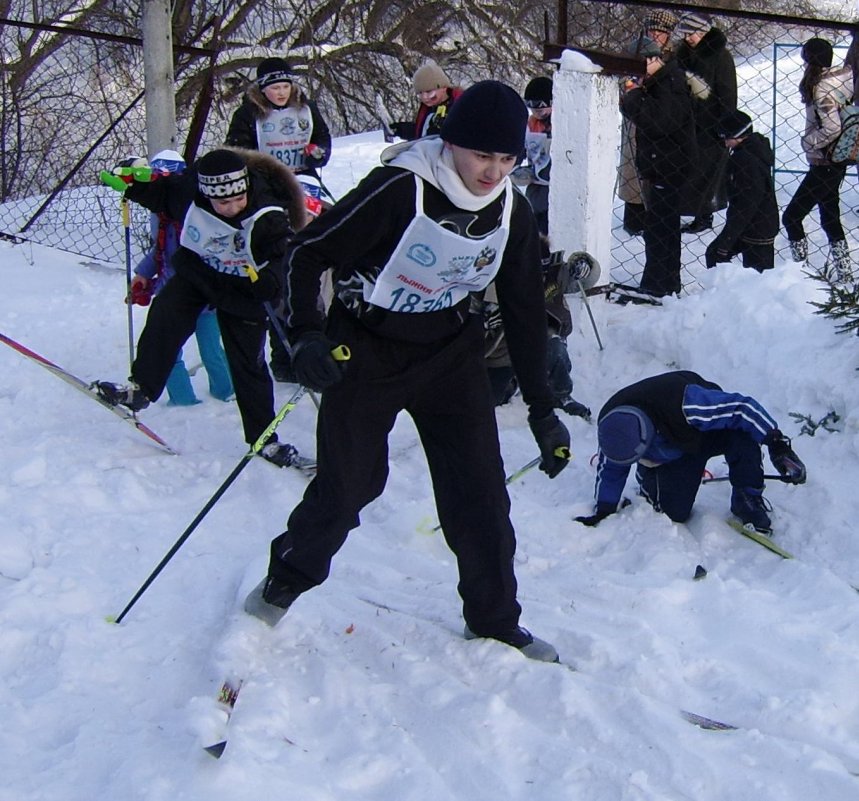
(766, 542)
(760, 539)
(225, 703)
(88, 390)
(622, 294)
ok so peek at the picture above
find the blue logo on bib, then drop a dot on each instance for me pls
(193, 233)
(422, 254)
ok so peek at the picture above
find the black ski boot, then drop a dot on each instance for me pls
(131, 396)
(750, 506)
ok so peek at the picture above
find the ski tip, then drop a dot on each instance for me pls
(700, 572)
(216, 749)
(110, 618)
(703, 722)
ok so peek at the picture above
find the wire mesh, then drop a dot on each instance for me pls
(78, 110)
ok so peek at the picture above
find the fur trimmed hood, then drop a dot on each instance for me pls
(279, 186)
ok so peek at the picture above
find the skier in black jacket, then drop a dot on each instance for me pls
(230, 205)
(408, 247)
(752, 220)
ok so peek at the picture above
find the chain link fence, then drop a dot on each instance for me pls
(80, 109)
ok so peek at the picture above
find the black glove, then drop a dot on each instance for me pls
(574, 408)
(266, 287)
(788, 464)
(602, 512)
(714, 254)
(314, 366)
(554, 442)
(405, 130)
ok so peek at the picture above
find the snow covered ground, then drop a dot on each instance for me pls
(367, 691)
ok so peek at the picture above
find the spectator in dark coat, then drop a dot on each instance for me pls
(661, 109)
(752, 221)
(659, 24)
(712, 77)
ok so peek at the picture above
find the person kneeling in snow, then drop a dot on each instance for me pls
(408, 247)
(230, 205)
(752, 220)
(670, 425)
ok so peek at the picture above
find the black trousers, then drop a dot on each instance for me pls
(820, 187)
(172, 318)
(672, 487)
(662, 241)
(445, 389)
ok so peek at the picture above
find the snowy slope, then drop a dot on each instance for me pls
(367, 691)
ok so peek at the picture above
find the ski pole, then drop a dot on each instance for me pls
(517, 474)
(126, 224)
(588, 310)
(727, 478)
(340, 354)
(278, 328)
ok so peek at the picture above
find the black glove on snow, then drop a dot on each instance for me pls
(788, 464)
(314, 366)
(554, 442)
(714, 254)
(602, 512)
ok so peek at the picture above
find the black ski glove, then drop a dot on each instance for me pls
(714, 254)
(265, 286)
(573, 408)
(554, 442)
(788, 464)
(313, 363)
(602, 512)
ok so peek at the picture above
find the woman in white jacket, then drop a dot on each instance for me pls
(824, 90)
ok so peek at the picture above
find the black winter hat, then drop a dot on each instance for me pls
(272, 70)
(817, 52)
(222, 174)
(538, 92)
(489, 116)
(734, 125)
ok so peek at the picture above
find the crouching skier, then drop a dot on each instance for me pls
(231, 207)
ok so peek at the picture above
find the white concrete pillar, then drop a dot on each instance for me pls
(585, 138)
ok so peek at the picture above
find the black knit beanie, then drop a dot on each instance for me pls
(222, 174)
(490, 117)
(272, 70)
(538, 92)
(817, 52)
(734, 125)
